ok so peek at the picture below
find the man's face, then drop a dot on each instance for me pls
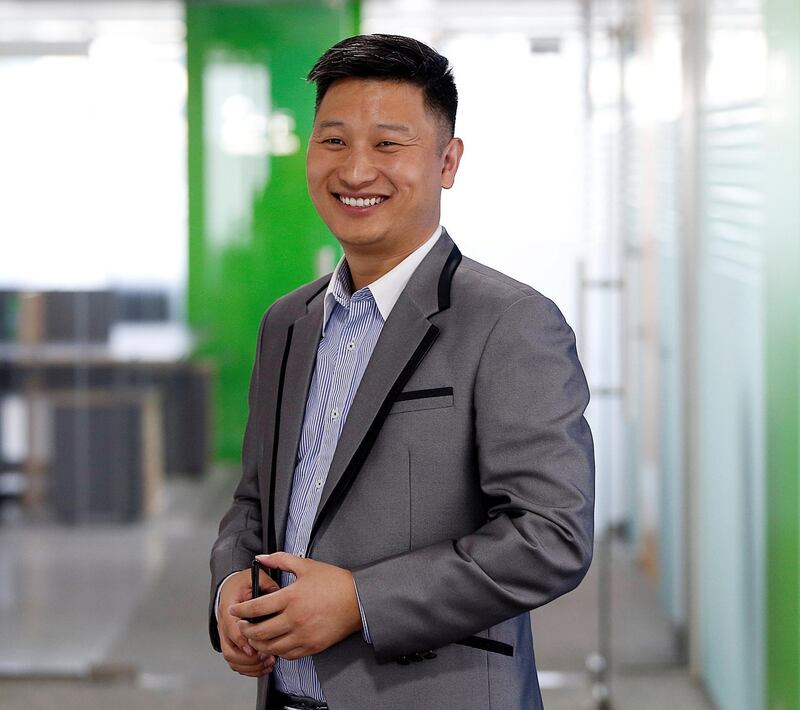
(375, 165)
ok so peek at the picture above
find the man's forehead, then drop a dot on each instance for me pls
(374, 94)
(374, 104)
(371, 84)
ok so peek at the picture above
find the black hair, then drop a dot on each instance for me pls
(391, 58)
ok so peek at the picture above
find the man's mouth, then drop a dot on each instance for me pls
(360, 202)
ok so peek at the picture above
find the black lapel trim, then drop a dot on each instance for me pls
(422, 394)
(272, 533)
(484, 644)
(272, 538)
(357, 461)
(446, 277)
(317, 292)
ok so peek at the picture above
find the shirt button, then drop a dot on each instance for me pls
(301, 554)
(334, 414)
(318, 484)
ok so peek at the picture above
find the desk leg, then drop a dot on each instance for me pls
(35, 463)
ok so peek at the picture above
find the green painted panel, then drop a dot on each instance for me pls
(783, 356)
(253, 232)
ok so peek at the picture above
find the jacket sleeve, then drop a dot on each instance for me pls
(239, 536)
(536, 472)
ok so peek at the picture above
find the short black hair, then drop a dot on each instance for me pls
(391, 58)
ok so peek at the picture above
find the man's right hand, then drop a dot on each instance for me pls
(236, 650)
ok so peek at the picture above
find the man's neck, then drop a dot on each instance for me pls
(365, 268)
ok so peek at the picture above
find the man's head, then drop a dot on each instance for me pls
(382, 147)
(392, 58)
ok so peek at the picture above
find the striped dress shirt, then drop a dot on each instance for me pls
(351, 325)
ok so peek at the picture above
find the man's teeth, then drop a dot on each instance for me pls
(360, 201)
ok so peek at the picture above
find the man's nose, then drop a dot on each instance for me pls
(357, 169)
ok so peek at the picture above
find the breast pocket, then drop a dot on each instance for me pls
(416, 400)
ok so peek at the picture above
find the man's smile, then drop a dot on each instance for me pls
(359, 204)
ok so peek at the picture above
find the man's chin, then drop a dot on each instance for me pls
(356, 239)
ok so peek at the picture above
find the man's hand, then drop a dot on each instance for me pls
(236, 650)
(316, 611)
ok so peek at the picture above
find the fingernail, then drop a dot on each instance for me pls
(262, 556)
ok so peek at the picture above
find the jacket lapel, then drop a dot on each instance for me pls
(300, 357)
(404, 340)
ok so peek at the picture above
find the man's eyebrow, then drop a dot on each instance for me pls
(399, 127)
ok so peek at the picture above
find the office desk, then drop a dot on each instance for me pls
(151, 378)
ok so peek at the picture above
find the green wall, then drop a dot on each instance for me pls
(253, 232)
(783, 356)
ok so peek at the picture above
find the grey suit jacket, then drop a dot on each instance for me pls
(461, 492)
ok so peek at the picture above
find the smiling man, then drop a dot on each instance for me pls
(417, 470)
(377, 161)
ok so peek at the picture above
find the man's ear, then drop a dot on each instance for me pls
(450, 161)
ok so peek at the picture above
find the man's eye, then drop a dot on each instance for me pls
(333, 141)
(386, 143)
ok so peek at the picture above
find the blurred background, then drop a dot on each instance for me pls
(637, 161)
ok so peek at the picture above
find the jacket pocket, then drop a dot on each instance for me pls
(484, 644)
(415, 400)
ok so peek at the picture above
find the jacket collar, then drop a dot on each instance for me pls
(385, 290)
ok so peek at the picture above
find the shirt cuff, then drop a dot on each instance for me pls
(364, 627)
(219, 589)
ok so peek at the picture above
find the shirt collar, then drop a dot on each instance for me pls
(385, 290)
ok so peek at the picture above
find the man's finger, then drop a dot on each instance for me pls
(248, 664)
(266, 584)
(237, 646)
(268, 604)
(238, 666)
(244, 646)
(233, 655)
(282, 645)
(231, 633)
(240, 642)
(255, 672)
(245, 664)
(284, 561)
(266, 630)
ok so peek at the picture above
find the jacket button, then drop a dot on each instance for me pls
(429, 655)
(416, 657)
(403, 660)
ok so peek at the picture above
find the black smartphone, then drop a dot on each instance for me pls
(255, 568)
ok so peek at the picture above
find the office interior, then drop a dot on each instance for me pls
(637, 161)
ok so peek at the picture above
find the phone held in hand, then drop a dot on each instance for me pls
(255, 568)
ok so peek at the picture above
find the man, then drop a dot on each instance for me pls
(416, 460)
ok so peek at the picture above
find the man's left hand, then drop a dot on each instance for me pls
(316, 611)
